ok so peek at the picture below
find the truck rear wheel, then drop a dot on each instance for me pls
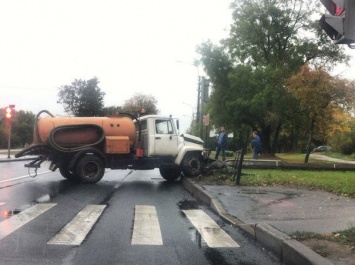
(64, 171)
(192, 164)
(90, 169)
(170, 173)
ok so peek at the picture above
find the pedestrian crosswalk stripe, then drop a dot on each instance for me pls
(76, 230)
(146, 229)
(15, 222)
(211, 232)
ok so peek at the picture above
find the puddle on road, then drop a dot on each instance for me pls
(254, 192)
(8, 212)
(44, 198)
(213, 255)
(188, 205)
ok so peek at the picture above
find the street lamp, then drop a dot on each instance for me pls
(199, 112)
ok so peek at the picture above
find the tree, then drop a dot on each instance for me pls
(112, 110)
(22, 129)
(249, 70)
(141, 104)
(324, 101)
(82, 98)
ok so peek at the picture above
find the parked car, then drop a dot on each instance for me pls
(322, 148)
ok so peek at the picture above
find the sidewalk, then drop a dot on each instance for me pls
(269, 214)
(287, 209)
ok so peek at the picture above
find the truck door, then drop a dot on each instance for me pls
(165, 139)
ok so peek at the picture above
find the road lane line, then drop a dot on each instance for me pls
(22, 177)
(211, 232)
(146, 228)
(15, 222)
(77, 229)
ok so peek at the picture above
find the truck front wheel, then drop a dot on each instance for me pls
(192, 164)
(90, 169)
(170, 173)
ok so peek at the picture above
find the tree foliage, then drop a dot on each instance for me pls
(21, 130)
(269, 42)
(82, 98)
(140, 104)
(324, 102)
(112, 110)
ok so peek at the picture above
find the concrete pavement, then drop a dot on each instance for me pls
(268, 214)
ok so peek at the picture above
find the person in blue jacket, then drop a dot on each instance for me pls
(256, 145)
(221, 144)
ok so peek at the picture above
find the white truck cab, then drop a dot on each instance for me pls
(160, 139)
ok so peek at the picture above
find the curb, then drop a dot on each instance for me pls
(287, 250)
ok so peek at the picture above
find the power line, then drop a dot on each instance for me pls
(26, 88)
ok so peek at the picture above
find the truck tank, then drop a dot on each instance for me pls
(79, 131)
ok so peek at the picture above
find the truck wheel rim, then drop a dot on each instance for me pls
(194, 164)
(91, 169)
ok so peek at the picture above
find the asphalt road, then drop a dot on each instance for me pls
(49, 214)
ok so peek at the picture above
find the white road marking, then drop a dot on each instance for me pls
(211, 232)
(77, 229)
(146, 229)
(23, 177)
(13, 223)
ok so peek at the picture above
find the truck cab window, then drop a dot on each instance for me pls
(164, 127)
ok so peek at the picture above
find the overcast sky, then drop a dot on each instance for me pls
(129, 45)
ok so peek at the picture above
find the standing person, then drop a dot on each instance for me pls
(256, 145)
(221, 144)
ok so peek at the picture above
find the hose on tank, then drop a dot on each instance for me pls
(36, 124)
(57, 147)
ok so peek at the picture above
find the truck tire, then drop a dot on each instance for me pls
(90, 169)
(192, 164)
(170, 173)
(64, 171)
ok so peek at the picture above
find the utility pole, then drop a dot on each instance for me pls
(9, 141)
(199, 121)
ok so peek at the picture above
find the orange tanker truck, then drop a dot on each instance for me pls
(82, 147)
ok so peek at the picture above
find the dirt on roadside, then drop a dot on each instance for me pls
(334, 251)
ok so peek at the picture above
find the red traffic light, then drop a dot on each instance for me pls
(340, 25)
(335, 7)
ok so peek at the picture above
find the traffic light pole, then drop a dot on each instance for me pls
(9, 141)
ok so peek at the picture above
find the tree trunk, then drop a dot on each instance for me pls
(309, 141)
(276, 138)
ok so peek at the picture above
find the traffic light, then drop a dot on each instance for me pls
(9, 111)
(205, 85)
(340, 25)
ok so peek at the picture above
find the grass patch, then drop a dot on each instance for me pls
(341, 183)
(345, 237)
(338, 182)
